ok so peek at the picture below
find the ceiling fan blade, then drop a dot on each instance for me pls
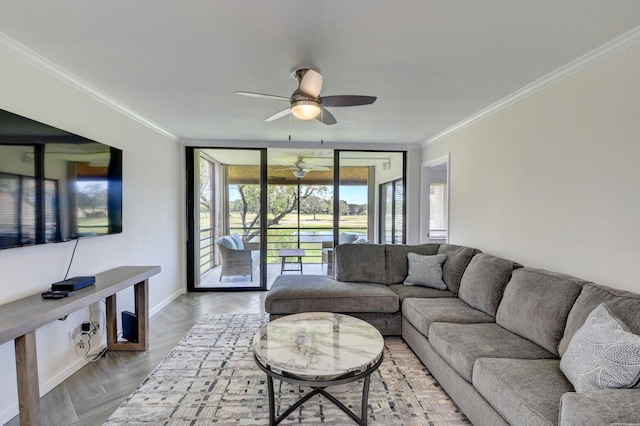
(347, 100)
(278, 114)
(311, 83)
(262, 95)
(320, 168)
(326, 117)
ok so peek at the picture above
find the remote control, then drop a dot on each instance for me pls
(56, 294)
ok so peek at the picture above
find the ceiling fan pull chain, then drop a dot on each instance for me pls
(289, 127)
(322, 127)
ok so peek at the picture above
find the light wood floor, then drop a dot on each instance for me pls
(95, 391)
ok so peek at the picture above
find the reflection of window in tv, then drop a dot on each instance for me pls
(19, 219)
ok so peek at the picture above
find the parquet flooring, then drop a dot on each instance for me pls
(90, 395)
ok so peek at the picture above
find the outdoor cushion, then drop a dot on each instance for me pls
(346, 238)
(396, 262)
(227, 242)
(238, 241)
(426, 270)
(360, 263)
(602, 354)
(484, 280)
(522, 388)
(536, 304)
(462, 344)
(411, 291)
(457, 261)
(422, 312)
(623, 304)
(307, 293)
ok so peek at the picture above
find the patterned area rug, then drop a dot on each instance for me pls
(210, 378)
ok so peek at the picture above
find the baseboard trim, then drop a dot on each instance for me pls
(47, 386)
(166, 301)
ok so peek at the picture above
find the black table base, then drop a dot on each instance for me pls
(319, 388)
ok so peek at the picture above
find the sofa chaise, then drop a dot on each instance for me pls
(494, 334)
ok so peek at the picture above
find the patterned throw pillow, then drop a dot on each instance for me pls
(426, 270)
(602, 354)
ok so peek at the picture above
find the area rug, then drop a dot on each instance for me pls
(210, 377)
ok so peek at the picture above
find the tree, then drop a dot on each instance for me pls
(283, 199)
(314, 204)
(344, 208)
(205, 185)
(92, 196)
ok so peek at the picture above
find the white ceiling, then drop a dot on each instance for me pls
(431, 63)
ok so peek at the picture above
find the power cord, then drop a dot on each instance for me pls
(89, 329)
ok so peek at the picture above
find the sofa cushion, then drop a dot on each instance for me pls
(422, 312)
(360, 263)
(536, 304)
(410, 291)
(307, 293)
(522, 388)
(396, 262)
(426, 270)
(227, 242)
(457, 261)
(623, 304)
(238, 241)
(462, 344)
(484, 280)
(602, 354)
(610, 407)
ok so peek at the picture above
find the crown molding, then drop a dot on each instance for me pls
(25, 54)
(588, 60)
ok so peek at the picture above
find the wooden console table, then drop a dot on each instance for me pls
(21, 318)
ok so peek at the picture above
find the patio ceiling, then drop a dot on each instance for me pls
(284, 176)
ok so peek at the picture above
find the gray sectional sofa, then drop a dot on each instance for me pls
(493, 338)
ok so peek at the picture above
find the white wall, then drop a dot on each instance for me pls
(553, 181)
(152, 219)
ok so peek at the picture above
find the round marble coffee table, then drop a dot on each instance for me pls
(318, 349)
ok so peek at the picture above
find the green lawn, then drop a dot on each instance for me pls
(284, 234)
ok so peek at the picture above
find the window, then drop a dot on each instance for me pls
(19, 214)
(392, 212)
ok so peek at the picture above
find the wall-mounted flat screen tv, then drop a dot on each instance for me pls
(54, 185)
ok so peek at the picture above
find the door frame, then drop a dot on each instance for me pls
(192, 239)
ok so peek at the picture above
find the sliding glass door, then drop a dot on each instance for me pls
(226, 201)
(250, 211)
(363, 183)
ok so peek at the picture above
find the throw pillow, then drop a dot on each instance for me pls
(426, 270)
(346, 238)
(227, 242)
(602, 354)
(238, 240)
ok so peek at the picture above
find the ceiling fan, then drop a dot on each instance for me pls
(306, 102)
(301, 168)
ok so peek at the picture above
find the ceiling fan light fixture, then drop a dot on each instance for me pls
(299, 173)
(305, 109)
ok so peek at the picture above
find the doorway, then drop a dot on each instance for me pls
(248, 207)
(434, 223)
